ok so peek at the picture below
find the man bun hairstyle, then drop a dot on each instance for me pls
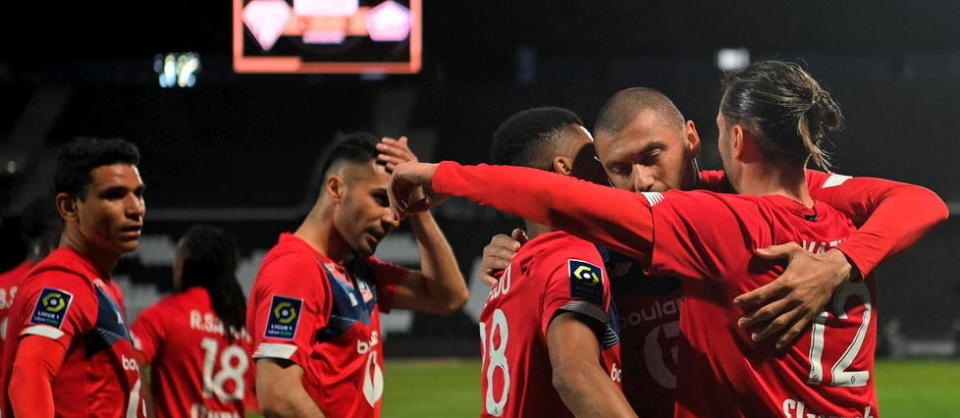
(793, 113)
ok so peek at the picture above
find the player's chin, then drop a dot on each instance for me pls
(127, 244)
(367, 245)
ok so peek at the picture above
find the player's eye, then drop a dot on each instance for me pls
(620, 170)
(381, 198)
(650, 159)
(113, 193)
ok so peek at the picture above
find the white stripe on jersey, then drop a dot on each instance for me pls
(43, 331)
(274, 350)
(653, 197)
(835, 180)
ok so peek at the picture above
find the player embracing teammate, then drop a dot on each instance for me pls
(772, 118)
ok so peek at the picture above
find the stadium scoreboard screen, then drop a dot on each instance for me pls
(327, 36)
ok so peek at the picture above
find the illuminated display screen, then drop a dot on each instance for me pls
(326, 36)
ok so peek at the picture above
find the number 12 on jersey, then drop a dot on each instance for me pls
(841, 376)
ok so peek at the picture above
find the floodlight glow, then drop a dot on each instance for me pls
(733, 59)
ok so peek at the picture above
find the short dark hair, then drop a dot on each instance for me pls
(623, 107)
(356, 147)
(82, 155)
(521, 139)
(793, 112)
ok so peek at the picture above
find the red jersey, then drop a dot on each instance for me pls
(66, 299)
(553, 273)
(624, 223)
(828, 371)
(325, 317)
(649, 309)
(9, 282)
(198, 370)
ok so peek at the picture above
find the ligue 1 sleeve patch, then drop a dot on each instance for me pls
(586, 281)
(284, 317)
(52, 307)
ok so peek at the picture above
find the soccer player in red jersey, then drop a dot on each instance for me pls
(194, 340)
(68, 348)
(40, 225)
(314, 310)
(549, 344)
(772, 118)
(645, 144)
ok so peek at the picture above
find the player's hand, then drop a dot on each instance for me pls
(498, 253)
(796, 297)
(407, 188)
(393, 152)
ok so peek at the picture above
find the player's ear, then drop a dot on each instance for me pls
(334, 187)
(67, 206)
(746, 145)
(691, 140)
(562, 165)
(738, 139)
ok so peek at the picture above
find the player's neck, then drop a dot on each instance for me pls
(535, 229)
(318, 231)
(763, 178)
(104, 261)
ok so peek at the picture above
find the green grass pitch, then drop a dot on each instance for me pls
(451, 388)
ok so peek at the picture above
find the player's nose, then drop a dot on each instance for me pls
(389, 220)
(643, 181)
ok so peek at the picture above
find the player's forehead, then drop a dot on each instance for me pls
(648, 129)
(368, 174)
(115, 175)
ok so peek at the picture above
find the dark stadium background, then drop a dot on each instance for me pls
(240, 151)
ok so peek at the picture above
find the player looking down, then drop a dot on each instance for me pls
(645, 144)
(314, 310)
(772, 119)
(548, 335)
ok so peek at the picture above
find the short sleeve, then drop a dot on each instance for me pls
(59, 306)
(696, 235)
(576, 282)
(291, 302)
(388, 276)
(148, 332)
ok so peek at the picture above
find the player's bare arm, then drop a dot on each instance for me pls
(439, 286)
(280, 392)
(585, 388)
(783, 309)
(498, 253)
